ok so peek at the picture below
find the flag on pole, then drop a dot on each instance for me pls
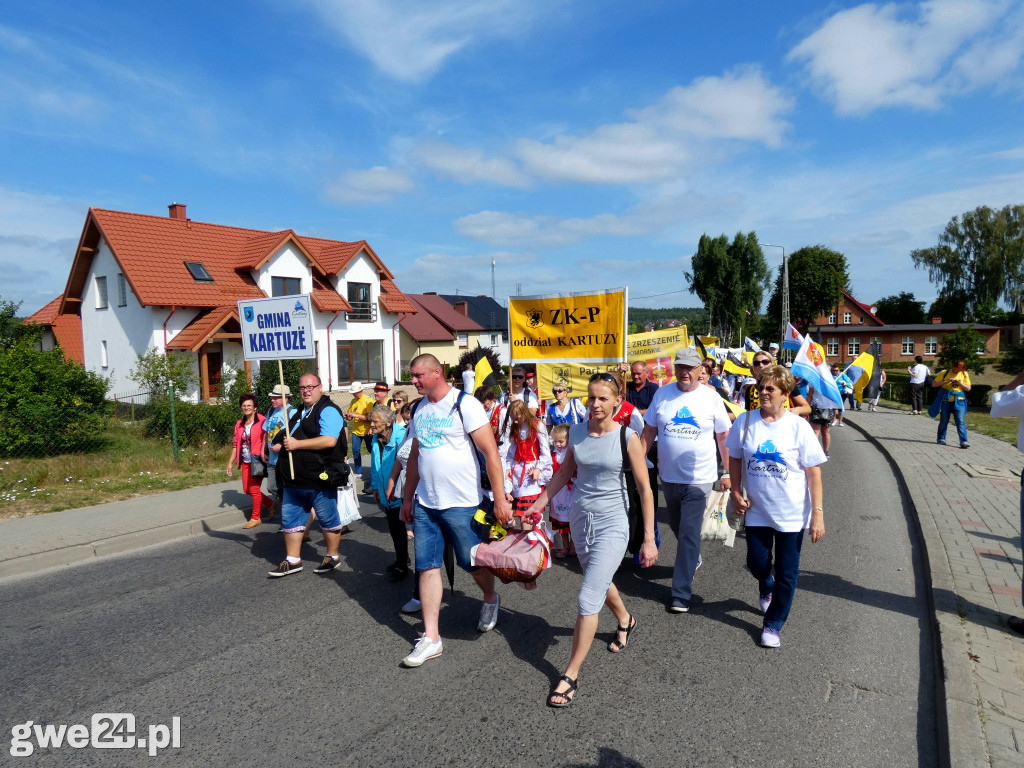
(860, 372)
(793, 338)
(484, 374)
(750, 345)
(810, 365)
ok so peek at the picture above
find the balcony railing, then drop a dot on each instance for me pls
(362, 312)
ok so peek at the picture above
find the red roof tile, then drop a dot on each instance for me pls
(865, 307)
(423, 326)
(393, 300)
(444, 312)
(67, 329)
(326, 299)
(203, 326)
(46, 315)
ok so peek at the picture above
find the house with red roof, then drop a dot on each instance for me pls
(141, 282)
(438, 329)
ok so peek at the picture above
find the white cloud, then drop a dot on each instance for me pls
(874, 56)
(371, 186)
(410, 40)
(468, 166)
(661, 139)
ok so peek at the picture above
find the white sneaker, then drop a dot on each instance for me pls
(413, 606)
(424, 650)
(770, 638)
(764, 602)
(489, 615)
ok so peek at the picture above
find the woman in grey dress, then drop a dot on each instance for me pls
(598, 521)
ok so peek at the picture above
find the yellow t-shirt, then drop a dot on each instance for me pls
(361, 405)
(963, 378)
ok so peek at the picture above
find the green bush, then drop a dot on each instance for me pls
(197, 423)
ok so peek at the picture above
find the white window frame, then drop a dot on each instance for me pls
(931, 345)
(853, 346)
(832, 318)
(847, 318)
(104, 360)
(832, 347)
(122, 290)
(102, 302)
(876, 340)
(907, 347)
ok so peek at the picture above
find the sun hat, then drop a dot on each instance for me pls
(356, 388)
(281, 391)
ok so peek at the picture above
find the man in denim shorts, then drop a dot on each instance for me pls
(318, 459)
(444, 474)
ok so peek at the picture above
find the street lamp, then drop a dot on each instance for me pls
(785, 293)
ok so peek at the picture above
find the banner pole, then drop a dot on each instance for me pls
(291, 461)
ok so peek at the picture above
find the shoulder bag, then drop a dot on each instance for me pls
(634, 510)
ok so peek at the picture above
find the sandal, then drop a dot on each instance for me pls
(615, 646)
(560, 553)
(568, 696)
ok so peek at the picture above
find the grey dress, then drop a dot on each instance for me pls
(598, 518)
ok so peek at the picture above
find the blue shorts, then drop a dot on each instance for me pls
(296, 503)
(456, 525)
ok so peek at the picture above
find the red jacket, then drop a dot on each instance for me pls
(255, 437)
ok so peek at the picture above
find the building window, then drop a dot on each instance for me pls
(853, 346)
(847, 318)
(463, 341)
(103, 354)
(861, 319)
(877, 341)
(122, 290)
(101, 293)
(832, 347)
(198, 271)
(832, 319)
(285, 286)
(360, 361)
(363, 310)
(908, 345)
(931, 345)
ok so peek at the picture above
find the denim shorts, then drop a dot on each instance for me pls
(433, 526)
(296, 503)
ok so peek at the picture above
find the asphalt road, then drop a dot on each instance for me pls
(304, 671)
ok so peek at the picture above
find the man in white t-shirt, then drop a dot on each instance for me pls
(517, 390)
(444, 475)
(468, 379)
(918, 374)
(688, 420)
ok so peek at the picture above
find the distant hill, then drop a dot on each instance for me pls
(691, 317)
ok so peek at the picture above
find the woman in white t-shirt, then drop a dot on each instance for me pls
(778, 457)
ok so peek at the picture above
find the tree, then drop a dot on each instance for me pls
(963, 344)
(950, 309)
(817, 278)
(979, 258)
(12, 330)
(901, 308)
(154, 371)
(730, 278)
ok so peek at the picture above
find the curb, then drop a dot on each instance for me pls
(960, 730)
(125, 542)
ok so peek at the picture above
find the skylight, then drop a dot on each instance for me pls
(198, 272)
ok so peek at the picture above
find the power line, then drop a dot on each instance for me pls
(653, 295)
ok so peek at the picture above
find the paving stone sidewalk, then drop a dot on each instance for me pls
(968, 506)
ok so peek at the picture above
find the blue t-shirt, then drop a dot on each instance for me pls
(331, 421)
(272, 426)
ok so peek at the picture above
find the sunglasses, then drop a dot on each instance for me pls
(759, 363)
(603, 377)
(763, 388)
(516, 376)
(556, 391)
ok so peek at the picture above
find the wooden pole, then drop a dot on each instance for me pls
(287, 425)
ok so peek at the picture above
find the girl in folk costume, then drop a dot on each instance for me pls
(528, 459)
(497, 415)
(562, 501)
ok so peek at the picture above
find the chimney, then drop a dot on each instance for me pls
(462, 307)
(176, 211)
(936, 321)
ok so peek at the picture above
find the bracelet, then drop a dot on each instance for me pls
(725, 474)
(817, 509)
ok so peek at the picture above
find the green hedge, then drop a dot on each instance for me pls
(197, 423)
(899, 391)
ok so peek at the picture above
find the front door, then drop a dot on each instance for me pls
(214, 364)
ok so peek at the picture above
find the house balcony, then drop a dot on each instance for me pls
(362, 312)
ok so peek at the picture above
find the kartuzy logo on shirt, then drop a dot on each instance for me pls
(683, 425)
(768, 461)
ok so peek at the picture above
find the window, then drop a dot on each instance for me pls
(199, 272)
(908, 345)
(877, 341)
(853, 346)
(122, 290)
(101, 293)
(832, 347)
(847, 318)
(832, 318)
(360, 361)
(861, 319)
(103, 354)
(931, 345)
(463, 341)
(285, 286)
(363, 311)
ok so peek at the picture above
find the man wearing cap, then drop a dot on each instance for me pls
(517, 390)
(688, 420)
(359, 415)
(281, 412)
(380, 393)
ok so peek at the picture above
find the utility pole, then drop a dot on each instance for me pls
(785, 294)
(494, 291)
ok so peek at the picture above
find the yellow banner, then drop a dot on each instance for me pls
(573, 376)
(578, 327)
(657, 349)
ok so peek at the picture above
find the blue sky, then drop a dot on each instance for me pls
(580, 145)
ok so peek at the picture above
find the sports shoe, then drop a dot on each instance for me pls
(488, 615)
(413, 606)
(770, 638)
(764, 601)
(424, 650)
(941, 442)
(965, 445)
(285, 569)
(678, 606)
(700, 562)
(329, 564)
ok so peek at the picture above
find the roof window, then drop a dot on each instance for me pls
(198, 271)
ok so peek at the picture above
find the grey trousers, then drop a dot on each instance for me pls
(685, 513)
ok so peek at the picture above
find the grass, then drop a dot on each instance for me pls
(129, 465)
(977, 421)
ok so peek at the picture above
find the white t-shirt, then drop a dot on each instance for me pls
(775, 455)
(449, 475)
(468, 380)
(918, 373)
(687, 423)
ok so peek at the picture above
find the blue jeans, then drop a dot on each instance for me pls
(959, 412)
(684, 506)
(433, 526)
(781, 586)
(295, 504)
(357, 451)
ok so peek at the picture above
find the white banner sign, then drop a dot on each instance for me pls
(277, 329)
